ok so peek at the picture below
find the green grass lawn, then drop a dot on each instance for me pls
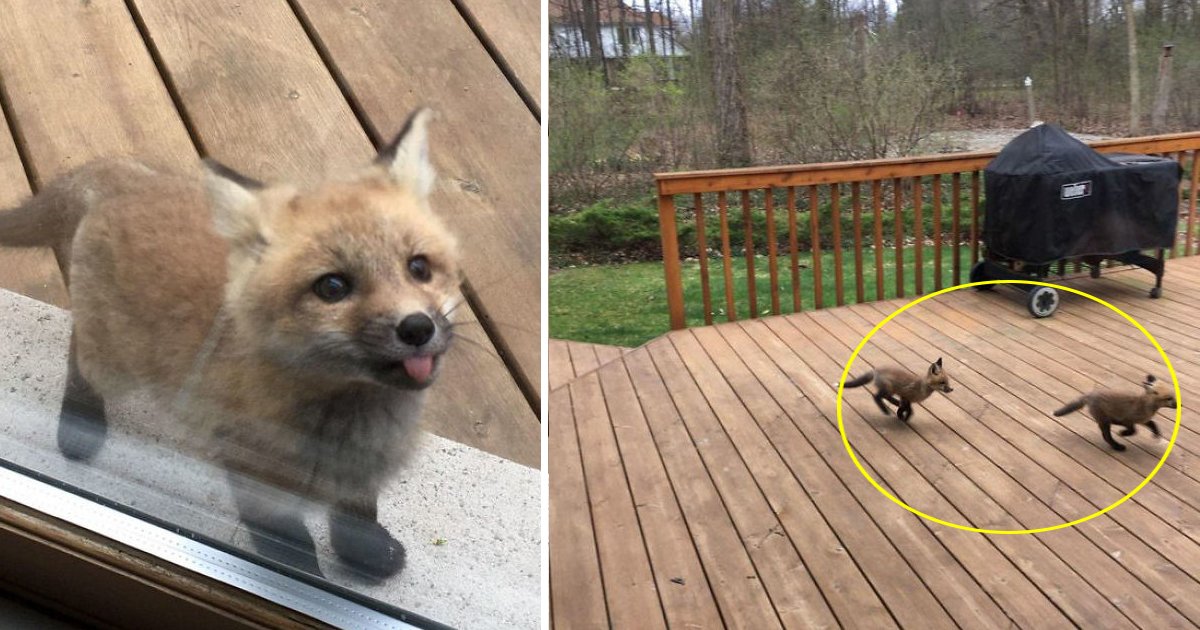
(626, 305)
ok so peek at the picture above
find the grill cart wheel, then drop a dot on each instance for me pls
(979, 274)
(1095, 271)
(1043, 301)
(1156, 292)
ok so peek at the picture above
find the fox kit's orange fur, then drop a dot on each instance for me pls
(293, 329)
(1127, 410)
(903, 388)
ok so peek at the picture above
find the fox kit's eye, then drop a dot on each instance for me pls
(332, 287)
(418, 266)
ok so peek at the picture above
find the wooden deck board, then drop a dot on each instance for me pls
(742, 600)
(752, 420)
(485, 144)
(577, 597)
(629, 584)
(590, 356)
(514, 29)
(794, 595)
(686, 598)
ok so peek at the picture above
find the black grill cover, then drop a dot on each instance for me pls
(1050, 196)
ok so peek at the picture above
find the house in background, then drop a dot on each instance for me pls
(624, 31)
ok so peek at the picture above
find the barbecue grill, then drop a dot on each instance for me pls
(1052, 198)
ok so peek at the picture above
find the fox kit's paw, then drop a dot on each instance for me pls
(81, 430)
(1118, 447)
(365, 546)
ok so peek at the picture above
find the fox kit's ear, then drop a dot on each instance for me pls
(406, 157)
(234, 201)
(936, 367)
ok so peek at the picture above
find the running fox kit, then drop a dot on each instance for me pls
(1127, 410)
(292, 330)
(903, 388)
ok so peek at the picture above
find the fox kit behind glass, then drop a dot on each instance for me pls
(1124, 409)
(293, 330)
(903, 388)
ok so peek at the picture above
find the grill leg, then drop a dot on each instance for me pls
(1154, 264)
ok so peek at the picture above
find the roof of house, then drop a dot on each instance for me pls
(609, 12)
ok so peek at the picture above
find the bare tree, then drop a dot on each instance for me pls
(649, 19)
(1135, 97)
(591, 35)
(733, 135)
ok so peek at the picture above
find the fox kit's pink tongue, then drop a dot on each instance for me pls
(419, 368)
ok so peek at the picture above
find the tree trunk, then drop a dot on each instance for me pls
(733, 137)
(649, 19)
(591, 35)
(622, 33)
(1135, 105)
(1158, 116)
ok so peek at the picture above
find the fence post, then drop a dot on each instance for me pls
(671, 267)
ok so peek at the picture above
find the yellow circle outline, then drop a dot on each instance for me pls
(857, 464)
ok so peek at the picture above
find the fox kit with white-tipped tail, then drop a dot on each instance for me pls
(903, 388)
(292, 329)
(1126, 410)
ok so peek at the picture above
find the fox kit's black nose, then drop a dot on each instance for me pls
(416, 329)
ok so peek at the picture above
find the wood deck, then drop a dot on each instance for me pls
(700, 480)
(571, 359)
(293, 89)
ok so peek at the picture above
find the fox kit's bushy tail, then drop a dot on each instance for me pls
(36, 223)
(862, 380)
(1075, 405)
(51, 217)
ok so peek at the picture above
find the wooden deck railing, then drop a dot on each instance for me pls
(876, 192)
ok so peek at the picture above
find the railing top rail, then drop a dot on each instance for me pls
(864, 170)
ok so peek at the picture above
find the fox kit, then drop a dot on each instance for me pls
(294, 330)
(1128, 410)
(903, 388)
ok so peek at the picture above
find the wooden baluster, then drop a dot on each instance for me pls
(858, 252)
(937, 232)
(772, 249)
(1193, 190)
(836, 198)
(751, 281)
(974, 217)
(794, 246)
(671, 267)
(702, 244)
(1179, 156)
(918, 238)
(726, 257)
(813, 218)
(877, 210)
(898, 224)
(956, 226)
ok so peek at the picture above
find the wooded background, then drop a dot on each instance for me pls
(793, 81)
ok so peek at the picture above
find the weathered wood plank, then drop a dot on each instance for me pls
(686, 599)
(727, 566)
(794, 595)
(629, 586)
(514, 30)
(559, 364)
(577, 596)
